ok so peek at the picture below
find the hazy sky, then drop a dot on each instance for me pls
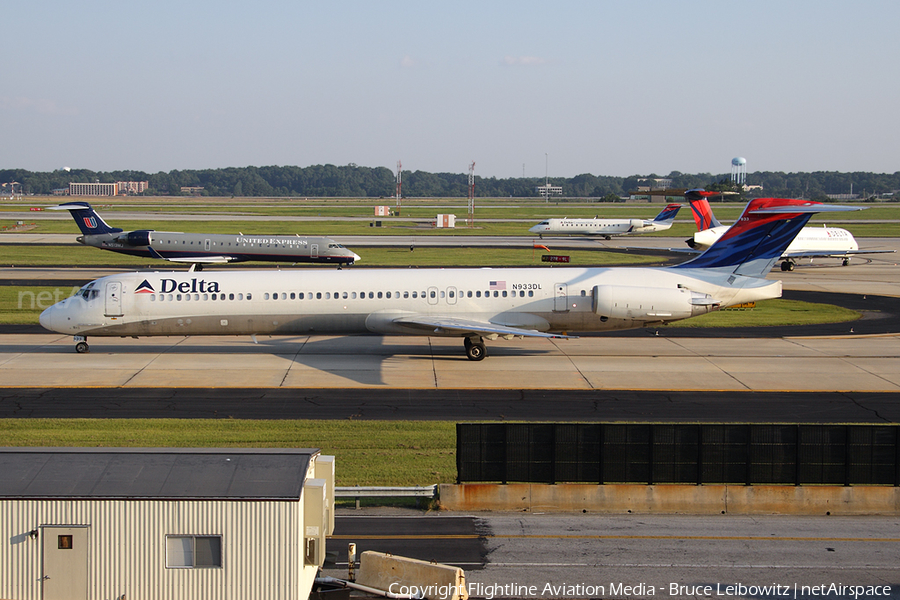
(602, 87)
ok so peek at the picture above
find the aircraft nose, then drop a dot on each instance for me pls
(46, 318)
(355, 256)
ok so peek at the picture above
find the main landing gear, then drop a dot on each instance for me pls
(81, 345)
(475, 349)
(787, 265)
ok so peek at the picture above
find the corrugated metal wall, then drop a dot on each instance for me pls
(261, 548)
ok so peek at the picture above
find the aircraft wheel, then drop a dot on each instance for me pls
(787, 266)
(475, 350)
(82, 348)
(846, 262)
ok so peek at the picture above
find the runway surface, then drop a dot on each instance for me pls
(518, 555)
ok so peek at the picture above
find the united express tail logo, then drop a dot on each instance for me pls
(145, 288)
(90, 222)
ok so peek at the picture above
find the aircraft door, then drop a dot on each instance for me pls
(314, 251)
(206, 245)
(432, 295)
(560, 298)
(113, 299)
(65, 563)
(451, 295)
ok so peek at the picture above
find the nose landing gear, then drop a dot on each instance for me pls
(81, 345)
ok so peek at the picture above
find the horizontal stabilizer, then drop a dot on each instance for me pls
(811, 208)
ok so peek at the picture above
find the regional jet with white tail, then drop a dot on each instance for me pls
(203, 248)
(607, 227)
(469, 303)
(811, 242)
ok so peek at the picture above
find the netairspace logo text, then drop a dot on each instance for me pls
(675, 590)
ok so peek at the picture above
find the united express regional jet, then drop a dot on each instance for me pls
(811, 242)
(203, 248)
(608, 227)
(469, 303)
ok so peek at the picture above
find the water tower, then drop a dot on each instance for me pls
(739, 170)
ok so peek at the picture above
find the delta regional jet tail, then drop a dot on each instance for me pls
(203, 248)
(811, 242)
(469, 303)
(608, 227)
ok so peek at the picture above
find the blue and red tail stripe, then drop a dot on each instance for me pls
(760, 236)
(668, 213)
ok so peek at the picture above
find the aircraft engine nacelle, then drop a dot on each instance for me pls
(640, 303)
(636, 223)
(136, 238)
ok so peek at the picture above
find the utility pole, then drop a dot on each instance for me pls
(399, 186)
(471, 217)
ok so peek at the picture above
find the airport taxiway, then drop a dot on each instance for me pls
(858, 363)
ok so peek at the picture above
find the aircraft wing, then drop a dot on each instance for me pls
(206, 259)
(836, 254)
(466, 326)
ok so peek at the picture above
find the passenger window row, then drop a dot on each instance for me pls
(198, 297)
(407, 294)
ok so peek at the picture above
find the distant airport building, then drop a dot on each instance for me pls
(548, 190)
(651, 184)
(242, 524)
(120, 188)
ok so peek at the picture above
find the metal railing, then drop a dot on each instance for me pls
(386, 491)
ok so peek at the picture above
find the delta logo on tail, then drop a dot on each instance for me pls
(145, 288)
(668, 212)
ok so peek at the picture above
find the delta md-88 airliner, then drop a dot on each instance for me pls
(204, 248)
(469, 303)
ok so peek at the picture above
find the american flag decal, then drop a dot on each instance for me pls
(498, 285)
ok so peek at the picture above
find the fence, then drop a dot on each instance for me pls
(747, 454)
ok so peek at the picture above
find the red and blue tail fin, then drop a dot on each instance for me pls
(758, 238)
(87, 219)
(703, 215)
(667, 214)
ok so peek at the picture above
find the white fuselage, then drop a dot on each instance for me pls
(389, 301)
(818, 240)
(595, 226)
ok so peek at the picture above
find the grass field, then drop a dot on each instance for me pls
(519, 214)
(368, 452)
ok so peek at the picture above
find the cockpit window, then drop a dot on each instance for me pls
(88, 292)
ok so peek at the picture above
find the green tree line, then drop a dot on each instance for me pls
(379, 182)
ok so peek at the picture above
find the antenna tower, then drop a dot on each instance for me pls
(399, 186)
(471, 218)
